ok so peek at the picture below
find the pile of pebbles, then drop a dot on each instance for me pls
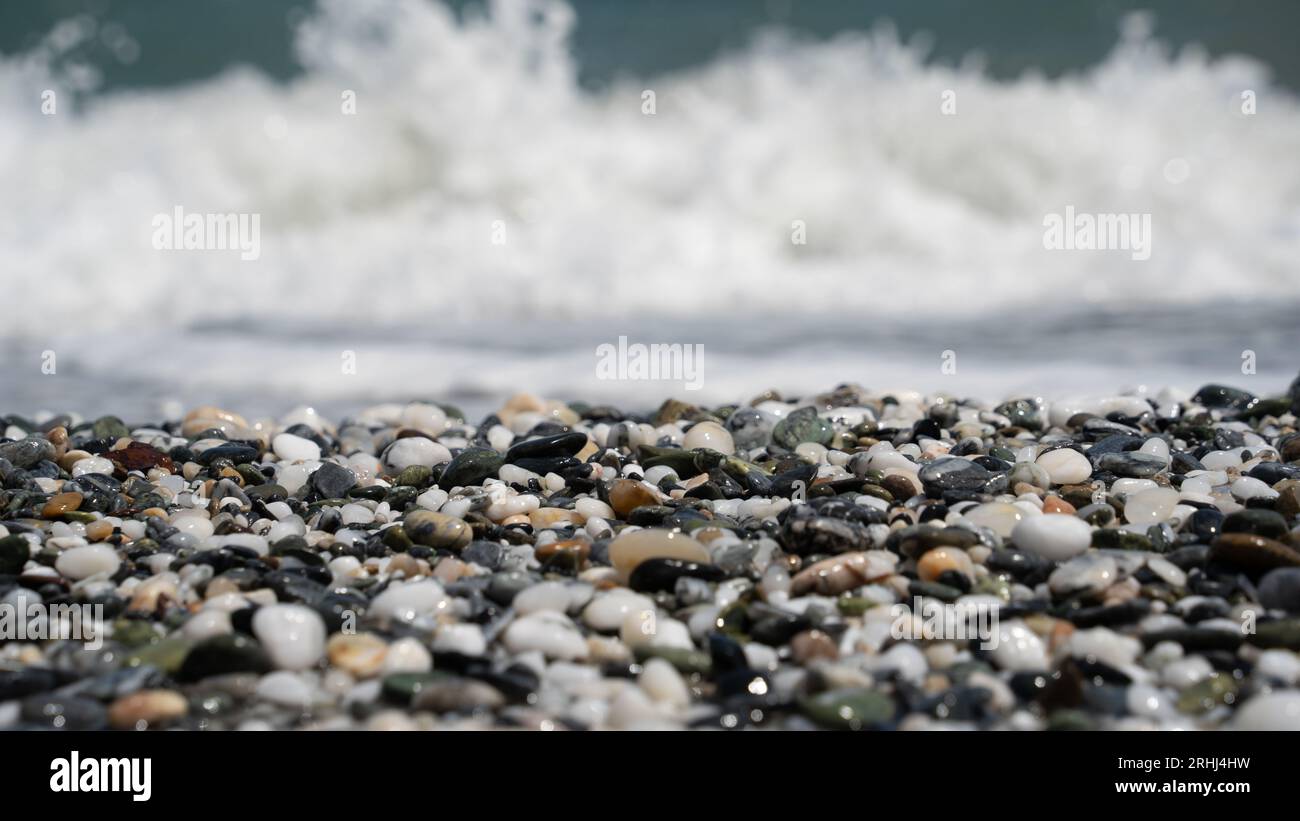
(568, 566)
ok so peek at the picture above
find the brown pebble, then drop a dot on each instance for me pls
(1251, 551)
(404, 563)
(1055, 504)
(811, 645)
(61, 503)
(900, 487)
(147, 709)
(626, 495)
(938, 561)
(99, 530)
(575, 551)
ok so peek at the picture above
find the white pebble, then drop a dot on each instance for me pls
(293, 635)
(1065, 466)
(83, 562)
(1054, 536)
(291, 448)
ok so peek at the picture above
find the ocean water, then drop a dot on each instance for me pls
(493, 212)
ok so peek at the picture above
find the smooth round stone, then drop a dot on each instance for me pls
(709, 435)
(1018, 648)
(407, 656)
(1000, 517)
(92, 464)
(939, 560)
(1030, 474)
(285, 688)
(1105, 645)
(356, 515)
(663, 684)
(848, 708)
(1053, 536)
(1151, 506)
(1248, 487)
(415, 450)
(607, 611)
(290, 448)
(193, 524)
(144, 709)
(549, 632)
(292, 635)
(1065, 466)
(626, 495)
(1130, 487)
(331, 481)
(433, 529)
(1184, 672)
(1280, 589)
(844, 572)
(1171, 573)
(407, 602)
(361, 655)
(630, 549)
(802, 425)
(953, 473)
(552, 596)
(1279, 710)
(1221, 460)
(1086, 572)
(466, 639)
(79, 563)
(1280, 665)
(206, 624)
(14, 553)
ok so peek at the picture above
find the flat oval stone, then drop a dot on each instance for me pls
(548, 447)
(953, 473)
(79, 563)
(1151, 506)
(1053, 536)
(626, 495)
(554, 634)
(1065, 466)
(657, 574)
(630, 549)
(470, 467)
(1000, 517)
(147, 709)
(848, 709)
(1251, 551)
(409, 601)
(435, 530)
(292, 448)
(709, 435)
(1132, 464)
(844, 572)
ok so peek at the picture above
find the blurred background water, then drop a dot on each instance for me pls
(924, 231)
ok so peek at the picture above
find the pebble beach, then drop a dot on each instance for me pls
(564, 566)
